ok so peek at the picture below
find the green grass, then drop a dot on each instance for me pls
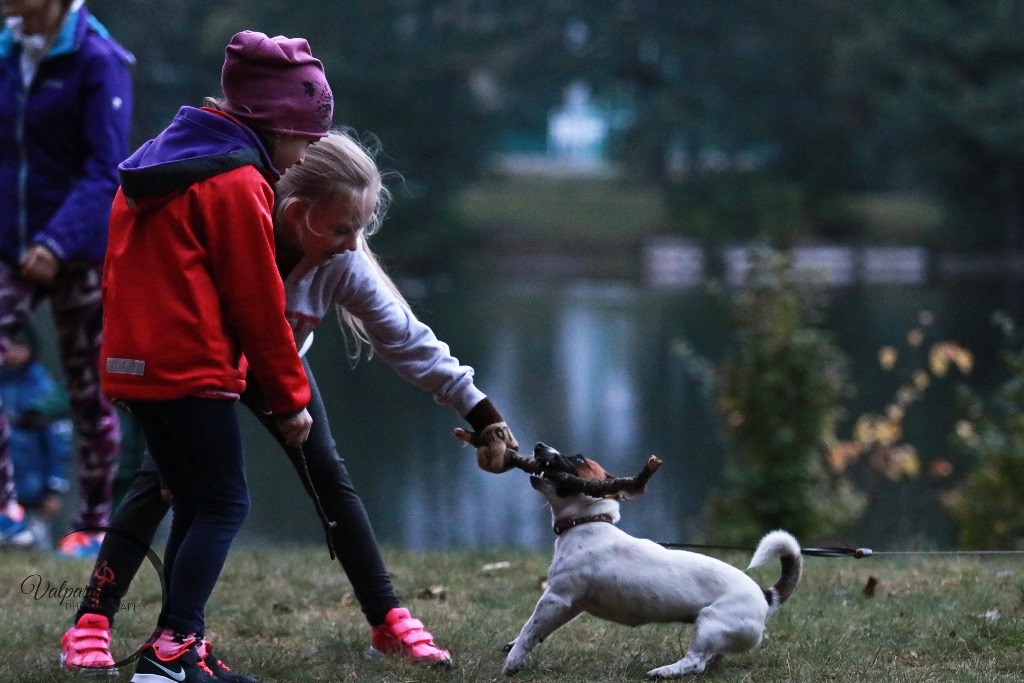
(598, 212)
(288, 615)
(895, 217)
(601, 212)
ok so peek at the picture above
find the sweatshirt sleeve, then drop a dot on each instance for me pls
(405, 343)
(106, 112)
(241, 246)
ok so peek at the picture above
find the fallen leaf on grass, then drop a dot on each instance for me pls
(434, 592)
(494, 566)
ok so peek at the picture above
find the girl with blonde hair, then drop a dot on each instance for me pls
(325, 209)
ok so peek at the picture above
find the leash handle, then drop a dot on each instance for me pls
(832, 551)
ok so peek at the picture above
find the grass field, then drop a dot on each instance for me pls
(599, 212)
(288, 615)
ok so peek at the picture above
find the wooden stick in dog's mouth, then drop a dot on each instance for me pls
(590, 487)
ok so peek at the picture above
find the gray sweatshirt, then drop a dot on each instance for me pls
(410, 347)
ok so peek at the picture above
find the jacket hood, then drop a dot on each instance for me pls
(199, 144)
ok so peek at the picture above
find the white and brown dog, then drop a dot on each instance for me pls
(601, 570)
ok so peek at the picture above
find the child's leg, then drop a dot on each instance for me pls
(132, 528)
(352, 537)
(86, 645)
(197, 446)
(78, 316)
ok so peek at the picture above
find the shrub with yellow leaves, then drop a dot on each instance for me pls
(988, 505)
(878, 438)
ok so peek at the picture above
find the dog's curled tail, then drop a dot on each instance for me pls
(783, 545)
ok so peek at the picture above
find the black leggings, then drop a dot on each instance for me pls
(136, 519)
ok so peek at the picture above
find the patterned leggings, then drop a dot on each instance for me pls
(77, 304)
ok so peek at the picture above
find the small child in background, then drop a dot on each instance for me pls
(40, 439)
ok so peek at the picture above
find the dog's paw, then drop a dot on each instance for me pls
(508, 646)
(512, 666)
(684, 667)
(671, 671)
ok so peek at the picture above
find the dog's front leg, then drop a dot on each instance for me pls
(551, 612)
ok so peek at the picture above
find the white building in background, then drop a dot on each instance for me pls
(577, 132)
(577, 139)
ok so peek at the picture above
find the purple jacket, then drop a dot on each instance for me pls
(61, 141)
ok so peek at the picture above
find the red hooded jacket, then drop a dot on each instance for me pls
(190, 285)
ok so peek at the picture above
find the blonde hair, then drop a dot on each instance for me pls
(335, 167)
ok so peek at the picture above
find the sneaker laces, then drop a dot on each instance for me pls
(205, 650)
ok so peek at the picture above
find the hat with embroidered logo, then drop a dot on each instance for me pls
(276, 84)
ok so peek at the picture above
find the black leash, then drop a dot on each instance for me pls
(828, 551)
(856, 553)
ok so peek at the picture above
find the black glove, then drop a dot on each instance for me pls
(492, 437)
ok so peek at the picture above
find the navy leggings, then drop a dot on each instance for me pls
(196, 444)
(139, 515)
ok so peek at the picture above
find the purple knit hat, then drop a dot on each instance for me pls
(276, 85)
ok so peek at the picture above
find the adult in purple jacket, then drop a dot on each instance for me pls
(65, 113)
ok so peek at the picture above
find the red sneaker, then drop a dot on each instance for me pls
(85, 647)
(402, 635)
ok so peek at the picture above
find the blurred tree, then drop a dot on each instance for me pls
(781, 390)
(402, 70)
(987, 505)
(805, 101)
(949, 76)
(745, 87)
(177, 51)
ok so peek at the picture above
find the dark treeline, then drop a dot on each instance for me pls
(804, 104)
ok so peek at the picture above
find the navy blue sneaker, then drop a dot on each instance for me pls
(185, 666)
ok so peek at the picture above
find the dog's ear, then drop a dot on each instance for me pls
(590, 469)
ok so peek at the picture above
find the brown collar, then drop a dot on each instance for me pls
(563, 525)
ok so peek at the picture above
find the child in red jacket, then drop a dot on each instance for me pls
(193, 299)
(325, 210)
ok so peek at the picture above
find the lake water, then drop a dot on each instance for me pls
(591, 366)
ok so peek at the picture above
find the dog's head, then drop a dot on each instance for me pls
(559, 494)
(552, 461)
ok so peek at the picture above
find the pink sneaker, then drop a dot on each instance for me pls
(402, 635)
(85, 647)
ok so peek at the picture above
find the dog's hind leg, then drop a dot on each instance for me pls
(550, 613)
(715, 634)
